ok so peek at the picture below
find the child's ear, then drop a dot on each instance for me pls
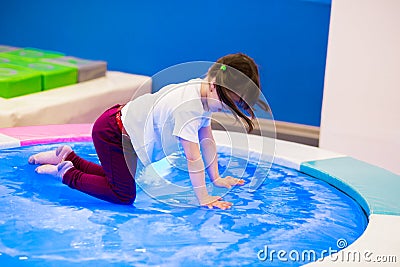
(212, 86)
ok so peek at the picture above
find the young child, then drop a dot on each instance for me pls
(151, 126)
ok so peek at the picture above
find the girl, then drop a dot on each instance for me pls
(152, 126)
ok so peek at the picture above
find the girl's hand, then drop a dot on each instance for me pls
(228, 182)
(215, 201)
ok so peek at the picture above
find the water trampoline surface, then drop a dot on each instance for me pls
(45, 223)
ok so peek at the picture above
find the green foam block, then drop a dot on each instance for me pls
(16, 81)
(53, 75)
(32, 54)
(5, 60)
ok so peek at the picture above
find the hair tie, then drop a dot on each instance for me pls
(223, 67)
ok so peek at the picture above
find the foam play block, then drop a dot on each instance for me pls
(6, 48)
(87, 69)
(32, 54)
(53, 75)
(5, 60)
(16, 81)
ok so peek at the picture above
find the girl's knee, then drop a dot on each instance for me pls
(127, 200)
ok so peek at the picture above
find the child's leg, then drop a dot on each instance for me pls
(95, 185)
(65, 153)
(84, 165)
(118, 184)
(91, 184)
(121, 191)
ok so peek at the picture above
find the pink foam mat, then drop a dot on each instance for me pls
(32, 135)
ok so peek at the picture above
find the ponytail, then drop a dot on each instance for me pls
(237, 74)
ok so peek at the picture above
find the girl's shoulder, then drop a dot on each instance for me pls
(180, 91)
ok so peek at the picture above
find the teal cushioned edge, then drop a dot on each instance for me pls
(375, 189)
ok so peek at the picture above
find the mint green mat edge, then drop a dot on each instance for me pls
(375, 189)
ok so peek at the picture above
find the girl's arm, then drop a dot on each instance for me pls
(197, 176)
(209, 152)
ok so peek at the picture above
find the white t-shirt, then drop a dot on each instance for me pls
(155, 121)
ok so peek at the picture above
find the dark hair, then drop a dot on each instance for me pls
(237, 73)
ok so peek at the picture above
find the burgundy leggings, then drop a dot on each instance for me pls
(113, 180)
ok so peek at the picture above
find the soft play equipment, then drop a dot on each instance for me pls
(53, 68)
(16, 80)
(87, 69)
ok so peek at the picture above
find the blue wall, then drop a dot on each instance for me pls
(287, 38)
